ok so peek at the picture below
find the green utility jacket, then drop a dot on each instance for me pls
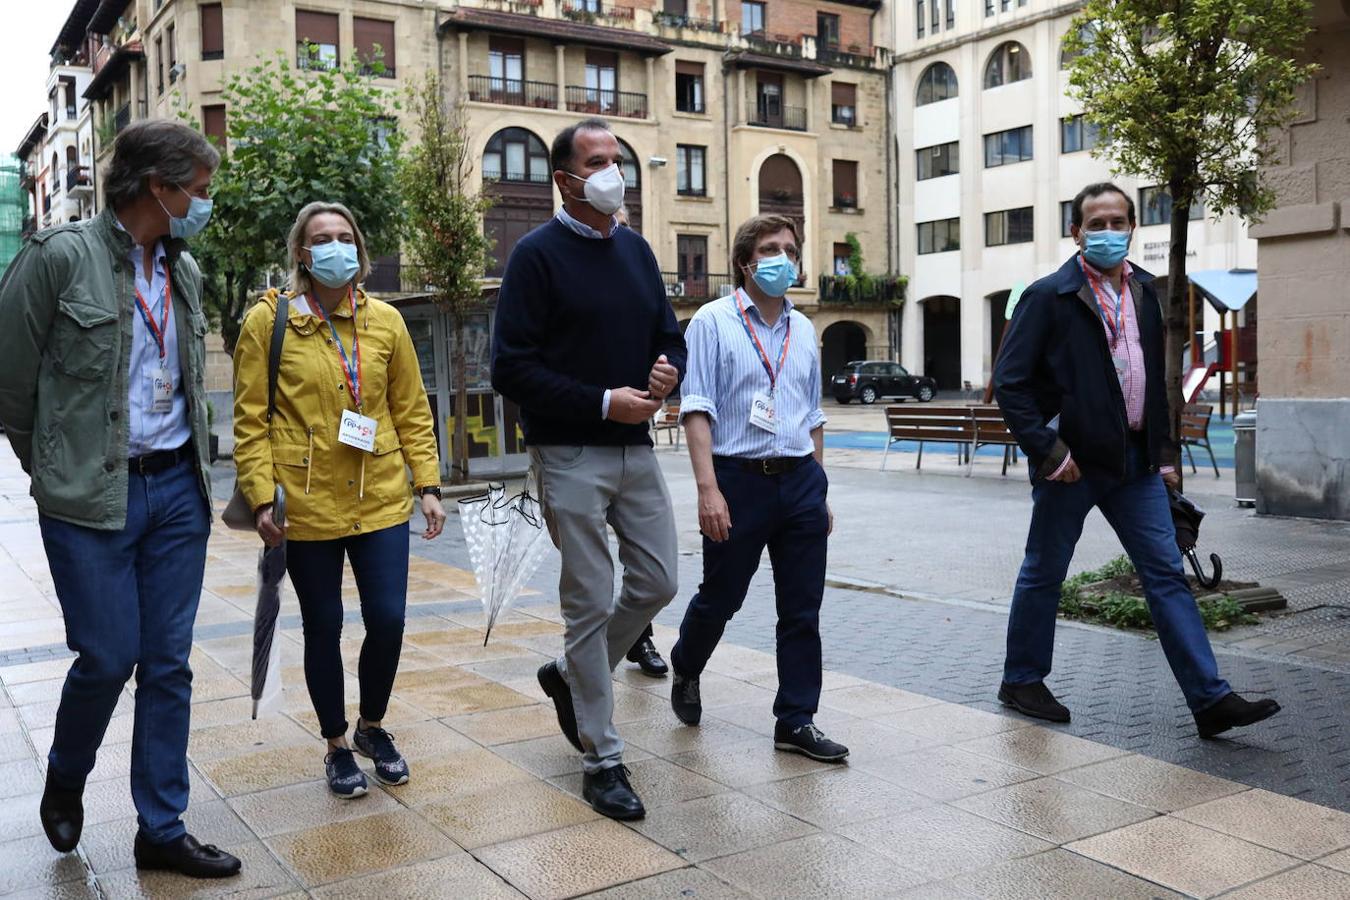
(66, 304)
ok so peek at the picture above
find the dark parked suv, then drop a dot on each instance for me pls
(869, 381)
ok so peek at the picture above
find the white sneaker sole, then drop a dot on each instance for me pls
(818, 757)
(359, 792)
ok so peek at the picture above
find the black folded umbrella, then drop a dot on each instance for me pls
(266, 687)
(1186, 518)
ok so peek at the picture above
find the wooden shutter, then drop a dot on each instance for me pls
(845, 178)
(688, 68)
(315, 27)
(213, 31)
(843, 94)
(213, 124)
(366, 33)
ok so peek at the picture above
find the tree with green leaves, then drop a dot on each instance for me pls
(316, 132)
(1187, 93)
(444, 239)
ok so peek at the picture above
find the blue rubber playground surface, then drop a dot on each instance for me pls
(1220, 440)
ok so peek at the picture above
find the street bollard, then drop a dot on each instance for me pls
(1244, 458)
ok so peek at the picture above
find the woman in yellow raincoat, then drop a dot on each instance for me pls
(351, 419)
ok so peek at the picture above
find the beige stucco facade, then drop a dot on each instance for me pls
(1303, 415)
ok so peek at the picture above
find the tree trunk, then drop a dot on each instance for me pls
(1174, 310)
(459, 453)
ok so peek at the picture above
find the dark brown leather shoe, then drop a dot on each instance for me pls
(1033, 700)
(186, 856)
(62, 814)
(1233, 711)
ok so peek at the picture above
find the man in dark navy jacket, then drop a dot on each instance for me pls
(1080, 380)
(586, 342)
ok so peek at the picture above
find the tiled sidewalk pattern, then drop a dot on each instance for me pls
(939, 799)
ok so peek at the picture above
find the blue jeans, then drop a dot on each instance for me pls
(1136, 507)
(129, 599)
(380, 564)
(786, 513)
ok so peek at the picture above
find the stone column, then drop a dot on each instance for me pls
(561, 74)
(462, 64)
(740, 97)
(651, 88)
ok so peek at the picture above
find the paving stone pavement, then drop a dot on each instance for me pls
(915, 533)
(938, 800)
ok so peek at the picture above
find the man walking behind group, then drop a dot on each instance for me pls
(588, 346)
(1080, 382)
(102, 398)
(751, 411)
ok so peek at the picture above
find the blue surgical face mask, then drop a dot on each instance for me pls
(1106, 249)
(198, 214)
(775, 274)
(333, 264)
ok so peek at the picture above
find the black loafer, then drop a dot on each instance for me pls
(62, 814)
(186, 856)
(1033, 700)
(685, 699)
(557, 689)
(644, 654)
(609, 793)
(1233, 711)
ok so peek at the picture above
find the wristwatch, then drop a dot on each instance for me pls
(434, 490)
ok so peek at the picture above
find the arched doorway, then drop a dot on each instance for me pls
(517, 177)
(942, 341)
(632, 179)
(841, 343)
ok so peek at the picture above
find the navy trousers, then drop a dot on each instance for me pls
(129, 599)
(787, 514)
(380, 564)
(1136, 507)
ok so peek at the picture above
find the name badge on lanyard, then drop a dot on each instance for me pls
(354, 429)
(159, 383)
(763, 413)
(1113, 318)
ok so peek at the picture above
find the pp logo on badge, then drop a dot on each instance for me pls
(357, 431)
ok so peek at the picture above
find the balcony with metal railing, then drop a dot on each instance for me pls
(599, 102)
(513, 92)
(697, 287)
(78, 180)
(867, 290)
(792, 118)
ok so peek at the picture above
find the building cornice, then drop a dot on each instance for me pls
(982, 34)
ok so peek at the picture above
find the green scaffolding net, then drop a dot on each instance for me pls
(13, 209)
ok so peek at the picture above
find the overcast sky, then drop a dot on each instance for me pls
(28, 28)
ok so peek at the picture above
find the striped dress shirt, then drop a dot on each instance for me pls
(726, 371)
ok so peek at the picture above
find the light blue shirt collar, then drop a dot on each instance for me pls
(744, 297)
(581, 228)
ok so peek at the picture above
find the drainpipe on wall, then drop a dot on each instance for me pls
(892, 226)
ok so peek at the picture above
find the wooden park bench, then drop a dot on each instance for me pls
(1195, 431)
(930, 425)
(991, 430)
(667, 419)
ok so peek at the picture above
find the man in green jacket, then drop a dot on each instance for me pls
(102, 397)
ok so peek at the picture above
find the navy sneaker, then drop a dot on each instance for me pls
(809, 741)
(378, 745)
(345, 777)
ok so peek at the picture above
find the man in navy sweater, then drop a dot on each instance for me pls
(587, 345)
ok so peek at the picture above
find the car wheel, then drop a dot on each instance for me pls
(925, 394)
(868, 395)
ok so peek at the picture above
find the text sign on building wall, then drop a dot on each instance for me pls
(1157, 250)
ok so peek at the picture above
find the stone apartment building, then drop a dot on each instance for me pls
(724, 109)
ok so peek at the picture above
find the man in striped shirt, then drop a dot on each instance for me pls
(1080, 381)
(751, 412)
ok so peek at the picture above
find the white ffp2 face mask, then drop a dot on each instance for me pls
(604, 189)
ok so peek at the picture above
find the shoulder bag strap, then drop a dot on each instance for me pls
(274, 354)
